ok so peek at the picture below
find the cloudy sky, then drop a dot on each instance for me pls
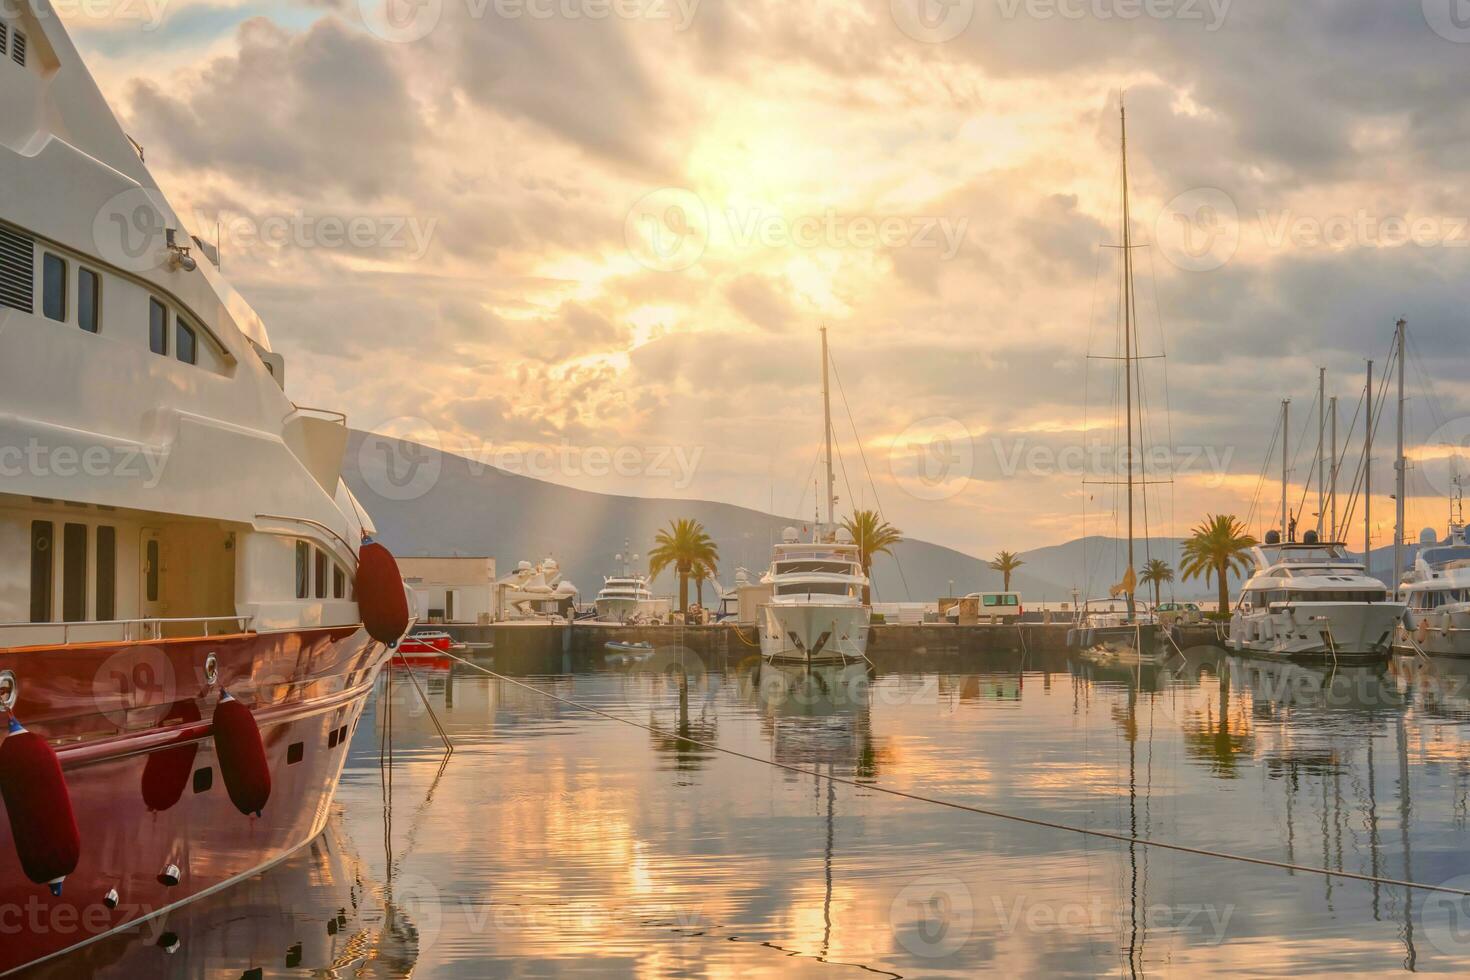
(594, 240)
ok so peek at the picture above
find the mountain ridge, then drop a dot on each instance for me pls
(427, 502)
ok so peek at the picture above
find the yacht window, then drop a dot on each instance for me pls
(18, 49)
(89, 294)
(339, 582)
(818, 567)
(815, 588)
(151, 556)
(53, 287)
(157, 327)
(74, 573)
(321, 574)
(186, 344)
(303, 573)
(106, 573)
(41, 570)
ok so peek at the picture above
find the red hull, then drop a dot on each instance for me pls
(112, 711)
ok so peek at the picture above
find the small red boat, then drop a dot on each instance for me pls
(427, 650)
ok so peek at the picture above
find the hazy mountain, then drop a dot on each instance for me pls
(429, 503)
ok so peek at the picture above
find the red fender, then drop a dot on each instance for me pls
(241, 754)
(42, 821)
(381, 601)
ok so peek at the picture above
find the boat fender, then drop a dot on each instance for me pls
(42, 821)
(381, 600)
(241, 753)
(168, 771)
(1071, 638)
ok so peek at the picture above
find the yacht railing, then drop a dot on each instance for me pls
(131, 630)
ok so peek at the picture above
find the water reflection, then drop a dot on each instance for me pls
(558, 843)
(317, 913)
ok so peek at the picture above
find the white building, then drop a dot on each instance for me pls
(451, 590)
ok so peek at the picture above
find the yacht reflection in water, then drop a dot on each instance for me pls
(819, 719)
(317, 913)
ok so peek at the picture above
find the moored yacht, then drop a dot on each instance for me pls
(816, 614)
(1436, 591)
(184, 575)
(1309, 601)
(625, 597)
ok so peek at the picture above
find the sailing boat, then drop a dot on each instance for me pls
(1101, 628)
(817, 614)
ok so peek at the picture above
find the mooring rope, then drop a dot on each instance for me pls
(966, 807)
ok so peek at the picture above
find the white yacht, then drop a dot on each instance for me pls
(1437, 593)
(190, 594)
(1309, 601)
(816, 614)
(535, 592)
(625, 597)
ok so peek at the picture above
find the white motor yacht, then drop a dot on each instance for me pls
(816, 614)
(625, 597)
(1436, 591)
(1309, 601)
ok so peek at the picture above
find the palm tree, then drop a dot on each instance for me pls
(1217, 548)
(1006, 562)
(1157, 572)
(874, 536)
(685, 547)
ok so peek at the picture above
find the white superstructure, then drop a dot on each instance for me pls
(816, 613)
(1307, 600)
(157, 479)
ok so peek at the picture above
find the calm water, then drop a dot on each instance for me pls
(555, 843)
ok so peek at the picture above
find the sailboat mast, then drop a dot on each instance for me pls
(1321, 449)
(1400, 464)
(1368, 476)
(1286, 534)
(1128, 339)
(1334, 468)
(827, 427)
